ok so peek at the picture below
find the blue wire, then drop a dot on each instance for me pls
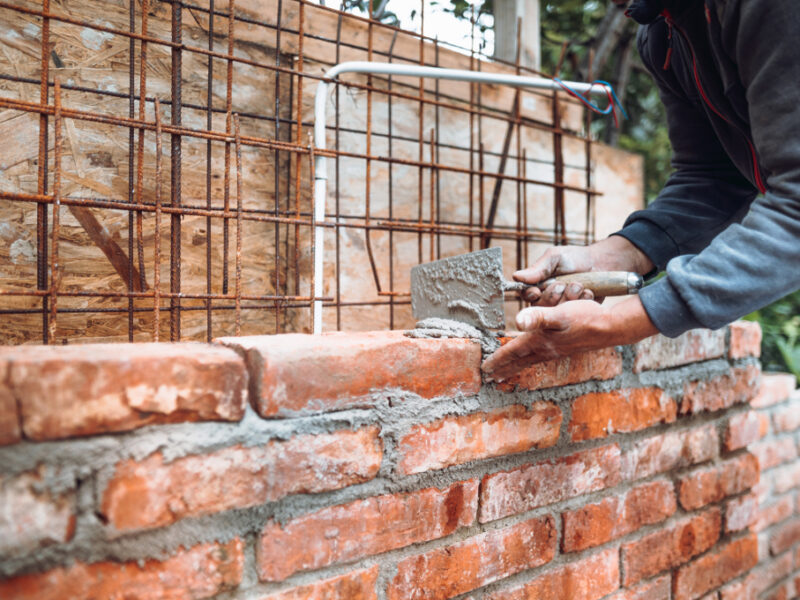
(603, 111)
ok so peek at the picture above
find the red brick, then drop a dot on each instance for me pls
(744, 429)
(670, 547)
(774, 513)
(199, 572)
(298, 373)
(151, 493)
(781, 593)
(712, 570)
(613, 517)
(655, 589)
(66, 391)
(785, 536)
(587, 579)
(601, 414)
(774, 452)
(775, 388)
(785, 478)
(659, 352)
(712, 484)
(359, 585)
(10, 431)
(745, 339)
(587, 366)
(446, 572)
(736, 387)
(456, 440)
(786, 418)
(364, 528)
(31, 519)
(759, 579)
(510, 492)
(740, 513)
(668, 451)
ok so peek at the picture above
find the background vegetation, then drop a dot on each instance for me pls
(592, 39)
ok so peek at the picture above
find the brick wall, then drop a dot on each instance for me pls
(375, 466)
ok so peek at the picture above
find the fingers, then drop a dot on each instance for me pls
(543, 268)
(513, 356)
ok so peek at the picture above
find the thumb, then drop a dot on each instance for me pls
(537, 318)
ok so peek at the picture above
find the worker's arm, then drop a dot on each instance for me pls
(755, 262)
(701, 198)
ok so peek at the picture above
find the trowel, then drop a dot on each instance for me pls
(471, 288)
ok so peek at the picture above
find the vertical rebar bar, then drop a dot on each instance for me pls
(157, 235)
(227, 174)
(55, 267)
(276, 163)
(367, 174)
(238, 283)
(299, 140)
(41, 209)
(209, 126)
(131, 190)
(175, 175)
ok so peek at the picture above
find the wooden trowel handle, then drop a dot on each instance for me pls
(602, 283)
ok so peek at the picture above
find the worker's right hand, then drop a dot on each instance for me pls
(611, 254)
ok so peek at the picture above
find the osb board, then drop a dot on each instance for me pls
(95, 164)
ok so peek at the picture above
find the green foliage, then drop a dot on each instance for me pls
(780, 322)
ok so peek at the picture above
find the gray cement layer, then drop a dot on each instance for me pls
(85, 466)
(438, 328)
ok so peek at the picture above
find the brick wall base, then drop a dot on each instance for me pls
(375, 466)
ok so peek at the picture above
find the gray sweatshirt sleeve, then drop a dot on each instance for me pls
(751, 263)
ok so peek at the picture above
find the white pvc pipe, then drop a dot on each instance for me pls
(378, 68)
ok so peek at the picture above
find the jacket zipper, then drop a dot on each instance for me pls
(756, 171)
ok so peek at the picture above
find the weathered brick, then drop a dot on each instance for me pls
(758, 580)
(672, 450)
(745, 339)
(736, 387)
(298, 373)
(66, 391)
(588, 579)
(775, 388)
(601, 414)
(510, 492)
(655, 589)
(712, 484)
(785, 536)
(587, 366)
(459, 439)
(446, 572)
(782, 592)
(670, 547)
(31, 519)
(613, 517)
(740, 513)
(744, 429)
(363, 528)
(715, 568)
(768, 516)
(659, 352)
(10, 432)
(151, 493)
(786, 418)
(199, 572)
(773, 452)
(359, 585)
(786, 477)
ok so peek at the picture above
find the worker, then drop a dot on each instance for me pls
(726, 226)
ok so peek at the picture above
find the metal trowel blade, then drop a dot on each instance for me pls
(466, 288)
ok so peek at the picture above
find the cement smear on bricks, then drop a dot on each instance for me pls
(437, 328)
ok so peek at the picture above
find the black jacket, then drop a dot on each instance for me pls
(726, 226)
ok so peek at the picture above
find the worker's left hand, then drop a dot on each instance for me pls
(571, 327)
